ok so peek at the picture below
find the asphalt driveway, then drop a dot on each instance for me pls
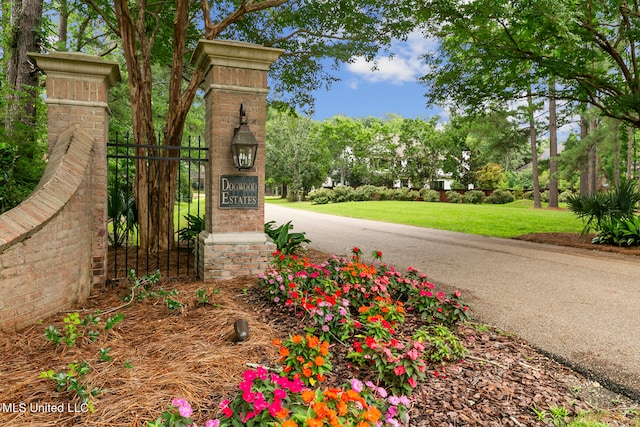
(579, 306)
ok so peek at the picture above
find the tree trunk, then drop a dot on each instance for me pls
(584, 167)
(22, 78)
(616, 165)
(629, 152)
(534, 153)
(62, 26)
(155, 187)
(553, 148)
(593, 159)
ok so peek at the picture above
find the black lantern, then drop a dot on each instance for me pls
(244, 145)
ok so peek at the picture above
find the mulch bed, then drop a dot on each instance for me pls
(159, 353)
(576, 240)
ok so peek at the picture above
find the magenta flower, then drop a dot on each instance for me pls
(399, 370)
(279, 393)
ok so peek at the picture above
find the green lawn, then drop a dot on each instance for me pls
(510, 220)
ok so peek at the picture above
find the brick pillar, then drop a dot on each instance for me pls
(233, 243)
(76, 89)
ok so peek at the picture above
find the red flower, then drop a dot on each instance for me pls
(371, 342)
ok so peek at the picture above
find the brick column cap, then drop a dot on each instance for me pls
(234, 54)
(77, 63)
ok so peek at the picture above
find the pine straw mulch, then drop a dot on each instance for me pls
(192, 354)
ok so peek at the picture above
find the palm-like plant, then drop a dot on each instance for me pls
(596, 209)
(122, 213)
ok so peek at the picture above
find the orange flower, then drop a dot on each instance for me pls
(284, 351)
(314, 422)
(289, 423)
(321, 377)
(287, 368)
(296, 339)
(276, 341)
(372, 414)
(363, 424)
(332, 393)
(300, 359)
(308, 396)
(342, 408)
(283, 413)
(324, 348)
(307, 372)
(312, 341)
(353, 395)
(320, 408)
(319, 361)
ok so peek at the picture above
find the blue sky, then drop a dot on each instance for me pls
(391, 88)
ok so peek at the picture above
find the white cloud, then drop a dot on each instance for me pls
(405, 65)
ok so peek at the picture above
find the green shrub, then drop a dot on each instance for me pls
(184, 192)
(320, 196)
(619, 232)
(366, 193)
(544, 196)
(342, 193)
(429, 195)
(385, 193)
(594, 209)
(474, 196)
(286, 242)
(453, 197)
(405, 194)
(500, 197)
(195, 225)
(564, 196)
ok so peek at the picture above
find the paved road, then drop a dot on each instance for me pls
(580, 306)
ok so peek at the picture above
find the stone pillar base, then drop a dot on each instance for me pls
(228, 255)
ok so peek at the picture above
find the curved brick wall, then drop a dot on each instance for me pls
(46, 241)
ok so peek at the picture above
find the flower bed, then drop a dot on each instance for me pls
(359, 306)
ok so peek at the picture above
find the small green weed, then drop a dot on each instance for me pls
(72, 381)
(104, 354)
(113, 321)
(206, 296)
(444, 345)
(76, 328)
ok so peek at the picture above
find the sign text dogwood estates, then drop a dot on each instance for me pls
(238, 192)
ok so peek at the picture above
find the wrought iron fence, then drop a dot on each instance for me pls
(125, 254)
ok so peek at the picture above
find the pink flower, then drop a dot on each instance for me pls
(412, 382)
(457, 293)
(185, 411)
(212, 423)
(259, 404)
(356, 385)
(248, 396)
(413, 354)
(399, 370)
(279, 393)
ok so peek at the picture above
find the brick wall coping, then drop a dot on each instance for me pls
(228, 53)
(63, 175)
(77, 63)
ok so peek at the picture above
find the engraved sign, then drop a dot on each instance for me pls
(238, 192)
